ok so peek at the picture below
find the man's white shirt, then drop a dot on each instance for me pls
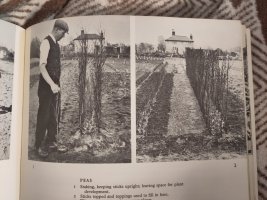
(44, 49)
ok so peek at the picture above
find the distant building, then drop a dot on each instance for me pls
(3, 52)
(68, 50)
(177, 44)
(117, 50)
(93, 41)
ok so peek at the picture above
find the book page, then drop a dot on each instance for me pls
(12, 40)
(120, 107)
(252, 159)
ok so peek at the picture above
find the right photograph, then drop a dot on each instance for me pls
(190, 90)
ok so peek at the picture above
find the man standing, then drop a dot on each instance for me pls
(48, 90)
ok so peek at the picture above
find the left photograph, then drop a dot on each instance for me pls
(79, 109)
(7, 47)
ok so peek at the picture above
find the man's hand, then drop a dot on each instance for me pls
(55, 88)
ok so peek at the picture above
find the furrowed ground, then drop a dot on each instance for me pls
(170, 125)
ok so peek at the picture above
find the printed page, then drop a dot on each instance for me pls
(147, 108)
(12, 40)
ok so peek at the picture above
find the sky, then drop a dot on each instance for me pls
(7, 35)
(116, 28)
(206, 33)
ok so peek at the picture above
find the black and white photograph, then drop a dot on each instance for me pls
(7, 46)
(190, 101)
(248, 87)
(79, 109)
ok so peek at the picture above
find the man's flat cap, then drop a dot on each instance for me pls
(62, 24)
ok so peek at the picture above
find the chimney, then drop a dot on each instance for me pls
(173, 32)
(82, 32)
(191, 36)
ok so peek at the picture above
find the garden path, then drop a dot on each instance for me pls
(185, 115)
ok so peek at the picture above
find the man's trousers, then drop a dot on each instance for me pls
(46, 117)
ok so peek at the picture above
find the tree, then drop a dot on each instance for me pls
(10, 56)
(161, 44)
(144, 48)
(35, 48)
(140, 48)
(233, 54)
(219, 51)
(149, 47)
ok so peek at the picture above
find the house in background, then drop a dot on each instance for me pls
(117, 50)
(67, 51)
(176, 44)
(3, 52)
(92, 39)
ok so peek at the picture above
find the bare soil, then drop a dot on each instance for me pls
(6, 83)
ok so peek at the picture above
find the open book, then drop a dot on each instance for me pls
(125, 107)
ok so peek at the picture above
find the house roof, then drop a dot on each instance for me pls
(179, 38)
(89, 36)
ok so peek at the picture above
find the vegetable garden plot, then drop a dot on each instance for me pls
(151, 142)
(144, 68)
(145, 97)
(113, 142)
(173, 126)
